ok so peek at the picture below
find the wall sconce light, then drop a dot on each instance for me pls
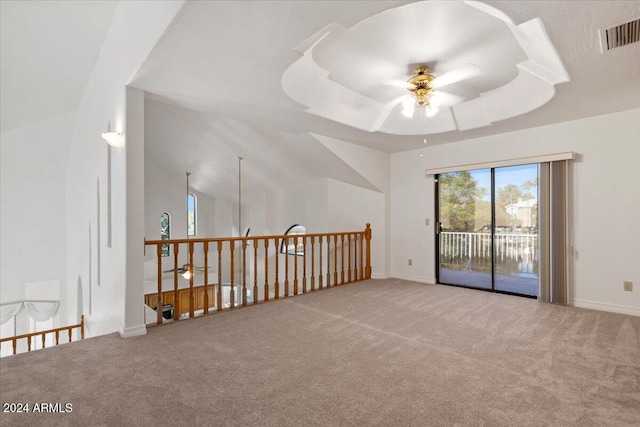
(114, 139)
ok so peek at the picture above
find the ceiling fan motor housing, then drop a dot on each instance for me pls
(420, 85)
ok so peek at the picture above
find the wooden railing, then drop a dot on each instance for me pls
(44, 334)
(249, 270)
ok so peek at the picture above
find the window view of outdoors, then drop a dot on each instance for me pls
(294, 245)
(165, 232)
(191, 215)
(466, 239)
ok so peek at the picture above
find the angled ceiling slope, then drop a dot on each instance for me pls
(48, 50)
(487, 68)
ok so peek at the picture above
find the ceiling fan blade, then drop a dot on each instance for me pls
(179, 270)
(465, 72)
(399, 83)
(395, 101)
(442, 99)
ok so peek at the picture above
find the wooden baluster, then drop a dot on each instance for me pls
(159, 271)
(176, 298)
(354, 263)
(320, 262)
(277, 284)
(355, 257)
(255, 271)
(367, 236)
(266, 269)
(286, 266)
(244, 273)
(70, 331)
(328, 261)
(44, 339)
(304, 265)
(361, 238)
(29, 343)
(191, 278)
(335, 259)
(57, 337)
(295, 266)
(82, 327)
(219, 285)
(342, 259)
(15, 345)
(232, 294)
(205, 304)
(313, 263)
(349, 259)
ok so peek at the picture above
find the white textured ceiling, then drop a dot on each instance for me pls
(228, 58)
(486, 69)
(47, 52)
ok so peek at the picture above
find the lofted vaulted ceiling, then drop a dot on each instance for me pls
(47, 52)
(220, 67)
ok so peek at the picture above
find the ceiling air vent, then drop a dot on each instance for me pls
(621, 35)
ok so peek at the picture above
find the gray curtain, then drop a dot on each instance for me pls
(554, 233)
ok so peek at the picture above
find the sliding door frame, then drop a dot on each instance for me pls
(438, 229)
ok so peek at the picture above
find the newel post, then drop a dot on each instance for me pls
(367, 237)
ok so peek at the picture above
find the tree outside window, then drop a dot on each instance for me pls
(165, 232)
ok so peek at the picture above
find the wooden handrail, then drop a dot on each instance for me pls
(57, 331)
(330, 269)
(250, 238)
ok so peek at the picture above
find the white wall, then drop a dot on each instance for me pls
(606, 197)
(167, 192)
(33, 159)
(411, 204)
(134, 31)
(373, 165)
(350, 208)
(316, 205)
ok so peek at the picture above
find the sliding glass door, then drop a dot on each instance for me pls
(464, 223)
(487, 229)
(516, 231)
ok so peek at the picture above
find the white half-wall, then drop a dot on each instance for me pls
(605, 193)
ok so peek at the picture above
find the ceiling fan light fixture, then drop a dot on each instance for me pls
(408, 111)
(421, 87)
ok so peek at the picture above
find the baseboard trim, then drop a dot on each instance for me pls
(378, 276)
(135, 331)
(419, 279)
(604, 306)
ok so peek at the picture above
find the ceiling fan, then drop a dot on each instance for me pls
(185, 270)
(424, 89)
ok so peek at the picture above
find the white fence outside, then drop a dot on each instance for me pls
(515, 253)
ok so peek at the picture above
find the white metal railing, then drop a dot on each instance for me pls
(471, 248)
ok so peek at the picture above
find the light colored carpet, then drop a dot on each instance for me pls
(379, 353)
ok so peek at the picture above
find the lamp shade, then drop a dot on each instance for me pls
(114, 139)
